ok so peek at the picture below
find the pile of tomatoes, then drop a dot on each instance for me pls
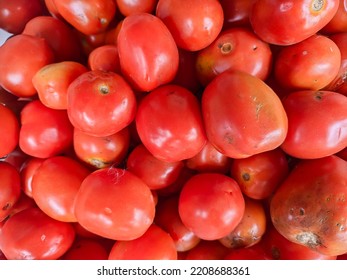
(173, 129)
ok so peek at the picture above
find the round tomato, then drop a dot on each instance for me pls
(9, 129)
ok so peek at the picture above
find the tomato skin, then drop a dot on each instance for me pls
(234, 48)
(32, 235)
(129, 7)
(309, 207)
(105, 58)
(207, 250)
(338, 24)
(88, 17)
(236, 12)
(194, 24)
(283, 22)
(98, 89)
(310, 64)
(44, 132)
(27, 172)
(317, 123)
(175, 133)
(242, 115)
(156, 60)
(255, 252)
(198, 202)
(18, 67)
(86, 249)
(115, 204)
(9, 129)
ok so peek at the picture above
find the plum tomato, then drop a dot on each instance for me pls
(169, 123)
(194, 24)
(309, 207)
(100, 103)
(317, 123)
(211, 205)
(9, 130)
(115, 204)
(243, 116)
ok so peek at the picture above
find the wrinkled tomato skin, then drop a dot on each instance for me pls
(32, 235)
(317, 123)
(173, 134)
(9, 129)
(156, 60)
(283, 22)
(243, 116)
(309, 207)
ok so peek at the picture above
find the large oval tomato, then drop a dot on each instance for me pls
(243, 116)
(9, 129)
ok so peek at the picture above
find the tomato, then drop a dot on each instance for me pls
(243, 116)
(94, 90)
(234, 48)
(211, 205)
(255, 252)
(21, 204)
(18, 67)
(259, 175)
(338, 24)
(317, 123)
(310, 64)
(283, 22)
(9, 188)
(88, 17)
(86, 249)
(9, 129)
(309, 207)
(176, 132)
(251, 228)
(44, 132)
(156, 60)
(52, 81)
(194, 24)
(236, 12)
(114, 203)
(154, 244)
(105, 58)
(16, 13)
(207, 250)
(32, 235)
(27, 172)
(129, 7)
(100, 152)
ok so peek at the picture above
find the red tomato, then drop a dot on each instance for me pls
(27, 172)
(317, 123)
(15, 14)
(236, 12)
(207, 250)
(21, 204)
(148, 56)
(94, 90)
(238, 49)
(259, 175)
(32, 235)
(55, 185)
(211, 205)
(104, 58)
(309, 207)
(100, 152)
(9, 188)
(44, 132)
(115, 204)
(88, 17)
(194, 24)
(154, 244)
(286, 22)
(243, 116)
(338, 24)
(169, 123)
(9, 129)
(129, 7)
(18, 67)
(86, 249)
(52, 81)
(310, 64)
(255, 252)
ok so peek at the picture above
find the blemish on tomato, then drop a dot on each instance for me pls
(246, 176)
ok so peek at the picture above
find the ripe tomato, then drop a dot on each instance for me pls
(207, 250)
(115, 204)
(194, 24)
(129, 7)
(169, 123)
(27, 172)
(255, 252)
(211, 205)
(235, 48)
(156, 60)
(105, 58)
(52, 81)
(317, 123)
(283, 22)
(86, 249)
(236, 12)
(94, 90)
(309, 207)
(88, 17)
(32, 235)
(310, 64)
(243, 116)
(9, 129)
(18, 67)
(44, 132)
(338, 24)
